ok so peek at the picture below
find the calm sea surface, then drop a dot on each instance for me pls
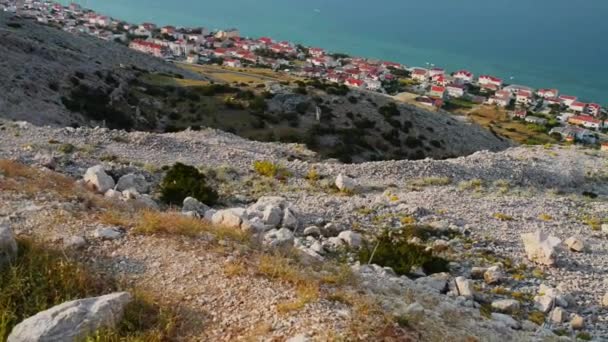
(541, 43)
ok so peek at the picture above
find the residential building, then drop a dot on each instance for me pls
(522, 113)
(437, 91)
(464, 76)
(486, 80)
(499, 101)
(373, 84)
(547, 93)
(353, 82)
(227, 34)
(455, 90)
(316, 52)
(575, 133)
(587, 121)
(553, 101)
(536, 120)
(577, 107)
(436, 71)
(515, 88)
(420, 75)
(149, 48)
(523, 97)
(567, 99)
(439, 80)
(594, 109)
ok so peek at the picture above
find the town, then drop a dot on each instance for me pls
(563, 116)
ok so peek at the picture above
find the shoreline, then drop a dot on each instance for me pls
(478, 65)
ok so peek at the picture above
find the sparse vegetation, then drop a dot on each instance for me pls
(183, 181)
(267, 168)
(502, 217)
(473, 184)
(392, 249)
(430, 181)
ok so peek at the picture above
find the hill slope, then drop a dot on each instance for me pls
(56, 78)
(45, 71)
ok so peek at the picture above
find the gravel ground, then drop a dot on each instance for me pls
(517, 191)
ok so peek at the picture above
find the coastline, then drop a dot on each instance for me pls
(588, 86)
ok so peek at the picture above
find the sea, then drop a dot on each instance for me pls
(540, 43)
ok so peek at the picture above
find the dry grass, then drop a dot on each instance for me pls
(473, 184)
(502, 217)
(235, 269)
(430, 181)
(174, 223)
(306, 293)
(31, 182)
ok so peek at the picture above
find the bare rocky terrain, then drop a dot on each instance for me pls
(472, 211)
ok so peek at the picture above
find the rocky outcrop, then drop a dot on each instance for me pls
(97, 178)
(540, 247)
(73, 320)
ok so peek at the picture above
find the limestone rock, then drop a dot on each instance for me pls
(575, 244)
(312, 231)
(279, 238)
(299, 338)
(351, 238)
(113, 194)
(8, 244)
(577, 322)
(605, 300)
(544, 303)
(493, 275)
(272, 215)
(464, 287)
(231, 218)
(97, 177)
(558, 315)
(130, 194)
(72, 321)
(435, 282)
(290, 220)
(345, 183)
(133, 181)
(478, 272)
(540, 247)
(506, 305)
(106, 233)
(192, 204)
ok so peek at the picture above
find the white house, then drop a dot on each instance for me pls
(455, 90)
(463, 76)
(233, 63)
(373, 84)
(499, 101)
(578, 107)
(547, 93)
(523, 97)
(594, 109)
(567, 99)
(436, 71)
(420, 75)
(486, 80)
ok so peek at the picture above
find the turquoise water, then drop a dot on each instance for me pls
(541, 43)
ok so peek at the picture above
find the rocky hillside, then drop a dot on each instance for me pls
(52, 77)
(57, 78)
(505, 246)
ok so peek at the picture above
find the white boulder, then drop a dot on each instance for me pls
(106, 233)
(352, 239)
(464, 287)
(231, 218)
(290, 220)
(575, 244)
(493, 275)
(192, 204)
(312, 231)
(113, 194)
(279, 238)
(505, 305)
(345, 183)
(506, 320)
(558, 315)
(540, 247)
(97, 177)
(272, 215)
(72, 321)
(577, 322)
(8, 244)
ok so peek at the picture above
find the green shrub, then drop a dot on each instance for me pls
(183, 181)
(66, 148)
(392, 249)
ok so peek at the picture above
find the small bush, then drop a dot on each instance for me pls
(183, 181)
(392, 249)
(66, 148)
(431, 181)
(269, 169)
(585, 336)
(536, 317)
(473, 184)
(313, 175)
